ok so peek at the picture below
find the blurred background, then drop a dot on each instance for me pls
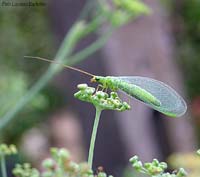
(164, 45)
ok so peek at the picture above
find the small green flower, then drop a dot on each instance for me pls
(48, 163)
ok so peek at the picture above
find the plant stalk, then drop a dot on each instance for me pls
(3, 166)
(93, 137)
(91, 49)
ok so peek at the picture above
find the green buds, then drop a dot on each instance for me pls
(61, 165)
(155, 168)
(48, 164)
(60, 154)
(123, 11)
(8, 149)
(135, 7)
(181, 172)
(101, 99)
(25, 170)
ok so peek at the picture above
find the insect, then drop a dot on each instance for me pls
(153, 93)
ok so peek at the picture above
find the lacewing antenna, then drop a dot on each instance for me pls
(65, 66)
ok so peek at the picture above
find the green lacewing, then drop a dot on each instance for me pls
(153, 93)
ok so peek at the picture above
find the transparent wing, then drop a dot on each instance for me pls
(172, 103)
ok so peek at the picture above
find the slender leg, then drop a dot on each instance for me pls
(99, 86)
(106, 89)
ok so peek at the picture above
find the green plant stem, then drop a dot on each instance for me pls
(3, 166)
(86, 9)
(93, 136)
(91, 49)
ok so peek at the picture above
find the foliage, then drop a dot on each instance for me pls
(187, 30)
(23, 31)
(59, 164)
(11, 88)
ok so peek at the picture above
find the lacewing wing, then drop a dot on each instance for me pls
(171, 103)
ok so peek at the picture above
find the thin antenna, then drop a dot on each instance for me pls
(66, 66)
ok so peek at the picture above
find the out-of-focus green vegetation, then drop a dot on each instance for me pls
(24, 31)
(187, 33)
(60, 164)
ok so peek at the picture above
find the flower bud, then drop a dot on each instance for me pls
(181, 173)
(48, 163)
(13, 149)
(64, 154)
(134, 159)
(138, 165)
(82, 86)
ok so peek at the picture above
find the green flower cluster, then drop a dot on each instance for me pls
(25, 170)
(101, 99)
(155, 168)
(7, 150)
(123, 11)
(132, 6)
(59, 165)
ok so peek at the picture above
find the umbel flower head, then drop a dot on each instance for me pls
(101, 99)
(155, 168)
